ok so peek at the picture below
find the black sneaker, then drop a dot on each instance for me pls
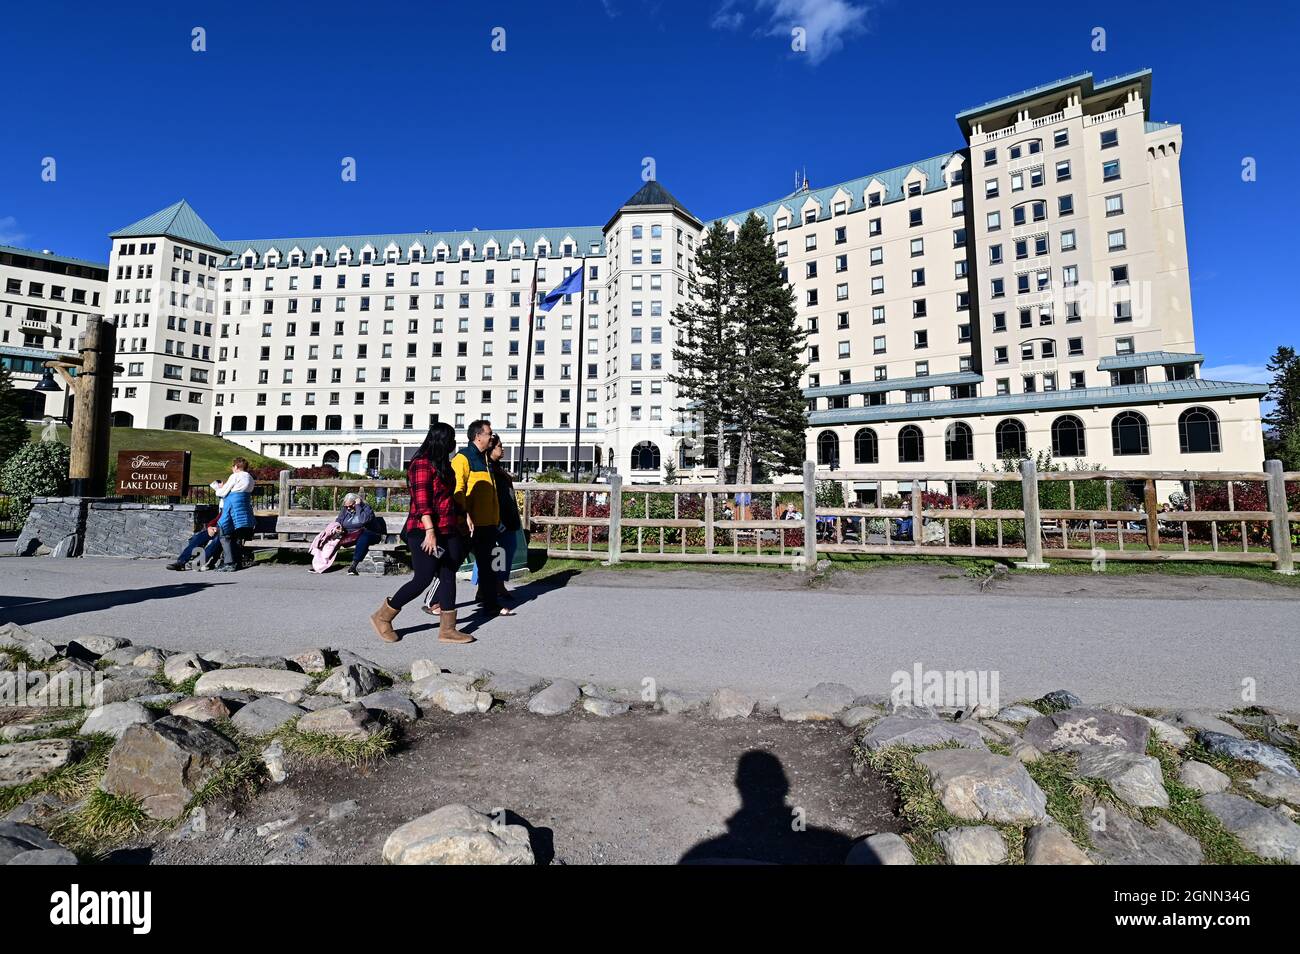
(352, 570)
(227, 568)
(175, 566)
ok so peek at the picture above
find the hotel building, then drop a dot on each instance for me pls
(1027, 291)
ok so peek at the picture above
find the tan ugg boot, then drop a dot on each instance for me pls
(447, 631)
(382, 621)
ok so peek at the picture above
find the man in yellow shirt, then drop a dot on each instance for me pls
(476, 492)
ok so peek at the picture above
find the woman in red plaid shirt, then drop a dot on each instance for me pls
(435, 534)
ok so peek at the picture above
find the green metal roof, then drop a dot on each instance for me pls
(50, 257)
(178, 221)
(1148, 359)
(583, 237)
(1078, 399)
(1090, 88)
(896, 384)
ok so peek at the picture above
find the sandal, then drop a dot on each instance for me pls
(433, 609)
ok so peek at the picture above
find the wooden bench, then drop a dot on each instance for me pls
(297, 531)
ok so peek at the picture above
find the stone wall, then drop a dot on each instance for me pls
(123, 529)
(53, 528)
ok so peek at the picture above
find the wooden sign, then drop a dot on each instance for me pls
(152, 473)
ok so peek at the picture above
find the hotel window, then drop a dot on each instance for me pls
(841, 235)
(920, 339)
(995, 254)
(922, 369)
(990, 188)
(877, 314)
(958, 238)
(1070, 275)
(1063, 170)
(1065, 205)
(1116, 241)
(1119, 274)
(918, 308)
(1109, 138)
(1068, 241)
(1077, 380)
(841, 263)
(878, 344)
(842, 292)
(963, 333)
(1075, 347)
(993, 221)
(1110, 170)
(1029, 383)
(873, 227)
(878, 285)
(999, 321)
(918, 247)
(1123, 346)
(809, 243)
(1048, 349)
(990, 157)
(842, 320)
(914, 217)
(1000, 355)
(1017, 182)
(958, 207)
(1123, 311)
(918, 277)
(1115, 205)
(844, 349)
(997, 288)
(877, 255)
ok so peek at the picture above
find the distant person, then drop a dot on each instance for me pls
(435, 533)
(476, 493)
(206, 537)
(236, 522)
(357, 519)
(510, 521)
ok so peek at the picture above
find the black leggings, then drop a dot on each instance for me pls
(427, 567)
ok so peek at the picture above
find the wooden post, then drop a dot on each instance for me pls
(528, 511)
(918, 532)
(1281, 522)
(810, 516)
(708, 523)
(1152, 507)
(615, 517)
(88, 466)
(283, 508)
(1033, 522)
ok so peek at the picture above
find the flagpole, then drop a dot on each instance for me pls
(582, 356)
(528, 375)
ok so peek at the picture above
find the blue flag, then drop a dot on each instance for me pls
(570, 286)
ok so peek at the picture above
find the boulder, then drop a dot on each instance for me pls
(1120, 839)
(1203, 778)
(44, 856)
(348, 658)
(124, 689)
(973, 845)
(28, 835)
(166, 764)
(613, 693)
(115, 718)
(202, 708)
(450, 693)
(512, 685)
(821, 703)
(1248, 750)
(259, 680)
(149, 660)
(1135, 779)
(420, 668)
(555, 699)
(1194, 721)
(884, 848)
(604, 707)
(1075, 729)
(1047, 844)
(350, 683)
(394, 705)
(677, 701)
(350, 721)
(1171, 735)
(273, 762)
(1267, 832)
(310, 660)
(1018, 713)
(22, 731)
(458, 835)
(96, 645)
(263, 716)
(22, 762)
(857, 716)
(123, 656)
(184, 666)
(904, 730)
(981, 786)
(731, 704)
(1277, 787)
(1023, 752)
(1060, 699)
(249, 661)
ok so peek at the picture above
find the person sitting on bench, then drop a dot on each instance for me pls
(358, 517)
(207, 538)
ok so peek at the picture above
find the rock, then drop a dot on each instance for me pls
(1195, 722)
(909, 711)
(161, 699)
(512, 685)
(44, 856)
(313, 702)
(420, 668)
(631, 697)
(123, 656)
(677, 701)
(150, 659)
(904, 730)
(730, 704)
(195, 825)
(23, 762)
(1171, 735)
(263, 716)
(237, 698)
(273, 761)
(348, 658)
(33, 809)
(41, 650)
(458, 835)
(124, 689)
(1018, 714)
(248, 661)
(857, 716)
(1047, 844)
(1120, 839)
(28, 835)
(1023, 752)
(1267, 832)
(311, 661)
(251, 680)
(884, 848)
(95, 646)
(202, 708)
(450, 693)
(343, 809)
(351, 721)
(1270, 757)
(395, 705)
(981, 786)
(184, 666)
(350, 683)
(1060, 699)
(294, 698)
(1203, 778)
(822, 702)
(7, 661)
(27, 730)
(1277, 787)
(165, 764)
(274, 828)
(11, 848)
(555, 699)
(1005, 732)
(973, 845)
(1135, 779)
(604, 707)
(115, 718)
(1075, 729)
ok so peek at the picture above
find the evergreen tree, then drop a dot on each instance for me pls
(1284, 392)
(13, 429)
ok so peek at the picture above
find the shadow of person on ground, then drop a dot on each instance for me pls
(765, 830)
(24, 610)
(469, 622)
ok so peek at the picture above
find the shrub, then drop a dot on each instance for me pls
(38, 469)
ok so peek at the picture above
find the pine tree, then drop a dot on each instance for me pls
(1284, 392)
(703, 354)
(769, 411)
(13, 429)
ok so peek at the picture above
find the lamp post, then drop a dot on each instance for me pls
(92, 390)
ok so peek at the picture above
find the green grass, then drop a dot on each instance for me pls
(103, 822)
(316, 747)
(68, 784)
(209, 456)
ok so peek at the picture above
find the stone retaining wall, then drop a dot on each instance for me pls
(86, 526)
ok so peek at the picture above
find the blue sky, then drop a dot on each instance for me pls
(449, 134)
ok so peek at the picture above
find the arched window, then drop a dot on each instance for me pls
(331, 459)
(308, 422)
(828, 448)
(958, 442)
(1011, 438)
(372, 460)
(181, 422)
(333, 422)
(645, 456)
(911, 445)
(123, 419)
(354, 462)
(866, 449)
(1198, 431)
(1128, 434)
(239, 423)
(284, 422)
(1067, 437)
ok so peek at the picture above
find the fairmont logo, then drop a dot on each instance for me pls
(75, 907)
(140, 460)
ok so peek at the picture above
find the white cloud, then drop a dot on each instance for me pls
(9, 234)
(826, 23)
(1240, 373)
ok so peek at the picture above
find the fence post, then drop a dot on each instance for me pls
(615, 517)
(708, 523)
(918, 524)
(528, 511)
(1152, 507)
(810, 516)
(1033, 523)
(1281, 521)
(283, 503)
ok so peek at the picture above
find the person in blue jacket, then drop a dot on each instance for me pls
(237, 520)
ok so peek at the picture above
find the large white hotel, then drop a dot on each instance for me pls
(1029, 290)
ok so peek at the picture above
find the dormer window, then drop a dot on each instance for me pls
(873, 199)
(914, 188)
